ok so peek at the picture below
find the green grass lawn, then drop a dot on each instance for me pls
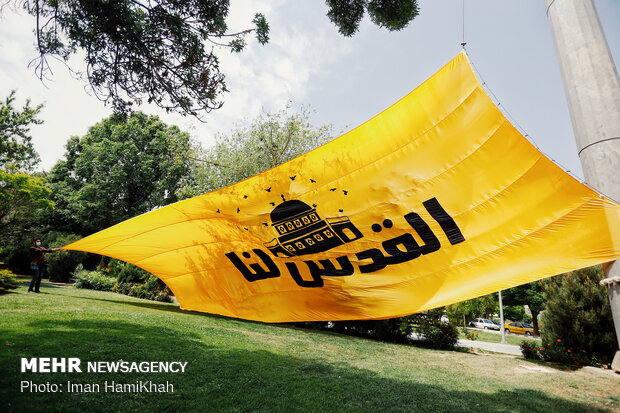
(515, 339)
(236, 365)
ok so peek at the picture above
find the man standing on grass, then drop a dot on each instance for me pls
(37, 264)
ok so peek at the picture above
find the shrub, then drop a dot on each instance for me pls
(392, 329)
(436, 334)
(114, 267)
(471, 335)
(8, 281)
(61, 264)
(152, 289)
(17, 256)
(129, 273)
(557, 351)
(94, 280)
(529, 350)
(578, 322)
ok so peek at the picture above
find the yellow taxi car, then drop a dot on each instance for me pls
(519, 328)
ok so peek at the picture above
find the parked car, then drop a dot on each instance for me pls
(519, 328)
(484, 323)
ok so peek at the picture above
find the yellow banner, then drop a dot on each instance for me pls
(436, 200)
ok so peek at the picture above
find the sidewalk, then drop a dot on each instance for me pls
(495, 347)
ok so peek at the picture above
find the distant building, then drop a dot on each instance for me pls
(301, 230)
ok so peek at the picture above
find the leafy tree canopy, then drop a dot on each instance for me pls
(16, 150)
(160, 51)
(391, 14)
(23, 199)
(271, 139)
(119, 169)
(164, 51)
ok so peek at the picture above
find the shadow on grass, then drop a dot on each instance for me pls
(152, 305)
(228, 376)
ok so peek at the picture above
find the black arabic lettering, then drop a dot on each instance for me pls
(431, 243)
(317, 281)
(256, 271)
(445, 221)
(329, 270)
(325, 269)
(378, 260)
(411, 249)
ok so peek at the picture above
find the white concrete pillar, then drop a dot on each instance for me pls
(593, 92)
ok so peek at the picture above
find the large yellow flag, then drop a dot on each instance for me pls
(436, 200)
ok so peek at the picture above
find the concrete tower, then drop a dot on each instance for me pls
(593, 92)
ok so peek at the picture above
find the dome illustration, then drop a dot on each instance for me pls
(301, 230)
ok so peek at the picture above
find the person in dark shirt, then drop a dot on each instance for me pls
(37, 264)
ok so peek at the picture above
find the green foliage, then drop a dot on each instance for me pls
(514, 312)
(530, 350)
(151, 289)
(118, 170)
(391, 329)
(130, 273)
(271, 139)
(471, 335)
(578, 317)
(391, 14)
(557, 351)
(17, 256)
(94, 280)
(8, 281)
(24, 199)
(160, 52)
(136, 282)
(436, 334)
(132, 281)
(465, 311)
(61, 264)
(16, 150)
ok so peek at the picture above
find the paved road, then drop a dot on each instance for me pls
(495, 347)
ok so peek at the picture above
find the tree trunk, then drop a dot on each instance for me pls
(102, 262)
(535, 322)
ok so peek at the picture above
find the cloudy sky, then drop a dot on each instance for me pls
(345, 80)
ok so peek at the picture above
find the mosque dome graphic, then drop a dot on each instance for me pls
(301, 230)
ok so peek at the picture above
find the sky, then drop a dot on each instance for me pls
(346, 81)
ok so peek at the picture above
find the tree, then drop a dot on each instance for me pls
(119, 169)
(23, 200)
(16, 150)
(137, 50)
(391, 14)
(476, 307)
(527, 294)
(164, 51)
(578, 316)
(269, 140)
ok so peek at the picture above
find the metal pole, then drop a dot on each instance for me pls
(593, 93)
(501, 317)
